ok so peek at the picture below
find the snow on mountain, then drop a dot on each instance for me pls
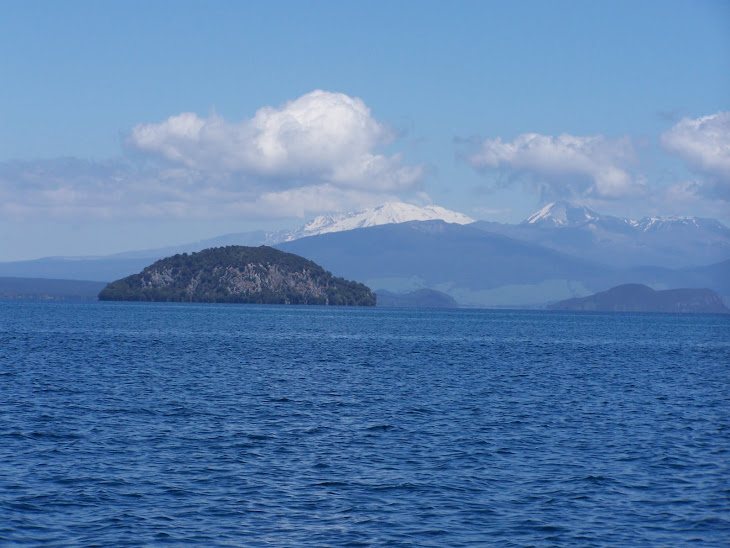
(665, 224)
(562, 214)
(387, 213)
(670, 242)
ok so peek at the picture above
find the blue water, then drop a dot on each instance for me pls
(220, 425)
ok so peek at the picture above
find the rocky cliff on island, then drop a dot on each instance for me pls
(640, 298)
(238, 274)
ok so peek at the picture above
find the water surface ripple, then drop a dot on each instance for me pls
(175, 425)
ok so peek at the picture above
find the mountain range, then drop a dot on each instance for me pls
(479, 268)
(110, 267)
(561, 251)
(387, 213)
(671, 242)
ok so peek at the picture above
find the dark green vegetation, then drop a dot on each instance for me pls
(238, 274)
(640, 298)
(48, 289)
(421, 298)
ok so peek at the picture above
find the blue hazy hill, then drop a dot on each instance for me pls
(481, 268)
(457, 259)
(640, 298)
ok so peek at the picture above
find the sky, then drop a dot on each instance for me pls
(133, 125)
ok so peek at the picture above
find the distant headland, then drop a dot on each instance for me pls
(640, 298)
(238, 274)
(421, 298)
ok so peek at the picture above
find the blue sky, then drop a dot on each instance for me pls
(128, 125)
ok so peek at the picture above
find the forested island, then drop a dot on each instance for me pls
(641, 298)
(238, 274)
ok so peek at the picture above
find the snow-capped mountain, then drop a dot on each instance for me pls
(565, 214)
(673, 242)
(387, 213)
(562, 214)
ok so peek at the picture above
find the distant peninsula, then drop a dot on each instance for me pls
(640, 298)
(238, 274)
(42, 289)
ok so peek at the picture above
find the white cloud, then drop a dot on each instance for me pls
(62, 188)
(308, 201)
(76, 190)
(682, 198)
(321, 137)
(689, 197)
(697, 197)
(316, 154)
(566, 165)
(704, 143)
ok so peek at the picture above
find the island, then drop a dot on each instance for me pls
(641, 298)
(238, 274)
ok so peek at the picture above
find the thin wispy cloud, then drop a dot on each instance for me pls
(704, 143)
(565, 165)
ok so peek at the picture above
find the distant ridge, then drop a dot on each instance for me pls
(640, 298)
(421, 298)
(49, 289)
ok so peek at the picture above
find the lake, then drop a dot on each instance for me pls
(133, 424)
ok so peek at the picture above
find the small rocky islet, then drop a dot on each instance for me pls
(238, 274)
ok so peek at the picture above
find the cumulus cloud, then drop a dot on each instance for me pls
(704, 143)
(565, 165)
(321, 152)
(322, 136)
